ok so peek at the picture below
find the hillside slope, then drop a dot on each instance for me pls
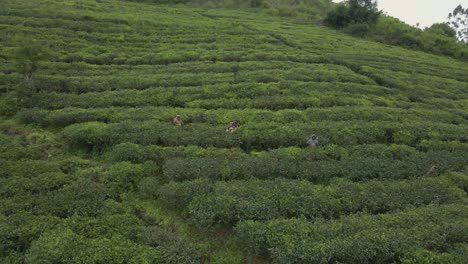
(93, 170)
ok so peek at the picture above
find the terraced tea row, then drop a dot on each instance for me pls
(404, 236)
(317, 72)
(265, 135)
(68, 116)
(228, 203)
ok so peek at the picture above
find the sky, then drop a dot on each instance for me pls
(426, 12)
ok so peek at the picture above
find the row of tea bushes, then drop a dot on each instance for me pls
(86, 69)
(135, 153)
(359, 162)
(253, 95)
(12, 148)
(354, 168)
(260, 136)
(448, 88)
(67, 116)
(77, 85)
(362, 238)
(308, 73)
(273, 96)
(119, 237)
(227, 203)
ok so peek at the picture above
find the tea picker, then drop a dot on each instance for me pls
(178, 120)
(313, 141)
(233, 126)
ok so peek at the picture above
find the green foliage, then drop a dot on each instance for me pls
(129, 152)
(308, 166)
(62, 245)
(458, 20)
(172, 248)
(228, 203)
(8, 106)
(277, 7)
(20, 229)
(89, 135)
(437, 39)
(178, 196)
(83, 197)
(148, 186)
(28, 55)
(358, 30)
(422, 255)
(122, 177)
(442, 29)
(12, 148)
(358, 238)
(93, 170)
(265, 135)
(362, 19)
(357, 14)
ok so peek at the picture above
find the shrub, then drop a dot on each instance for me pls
(149, 186)
(127, 152)
(358, 30)
(231, 202)
(178, 195)
(122, 177)
(353, 12)
(355, 239)
(63, 245)
(89, 135)
(83, 197)
(172, 247)
(422, 255)
(8, 106)
(227, 203)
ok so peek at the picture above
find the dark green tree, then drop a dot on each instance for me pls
(442, 29)
(338, 17)
(353, 12)
(256, 3)
(458, 20)
(363, 11)
(29, 53)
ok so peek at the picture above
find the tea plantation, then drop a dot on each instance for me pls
(93, 169)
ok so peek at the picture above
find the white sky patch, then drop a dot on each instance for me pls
(425, 12)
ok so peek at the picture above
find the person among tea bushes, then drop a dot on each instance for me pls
(178, 120)
(233, 126)
(313, 141)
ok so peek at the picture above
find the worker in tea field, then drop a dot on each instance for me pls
(313, 141)
(233, 126)
(432, 171)
(178, 120)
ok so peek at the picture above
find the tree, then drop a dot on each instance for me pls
(256, 3)
(29, 53)
(458, 20)
(442, 29)
(363, 11)
(338, 17)
(353, 12)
